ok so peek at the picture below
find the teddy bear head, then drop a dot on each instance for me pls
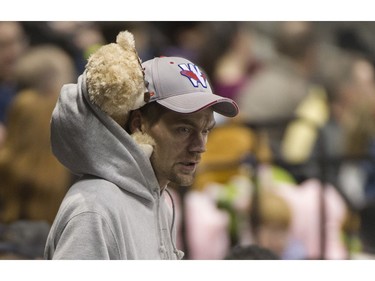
(115, 83)
(115, 79)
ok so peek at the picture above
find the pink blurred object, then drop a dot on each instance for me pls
(207, 227)
(305, 204)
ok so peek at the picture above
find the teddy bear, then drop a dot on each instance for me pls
(115, 83)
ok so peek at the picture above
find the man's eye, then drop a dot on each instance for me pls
(184, 130)
(206, 132)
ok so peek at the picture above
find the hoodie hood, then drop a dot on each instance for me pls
(89, 142)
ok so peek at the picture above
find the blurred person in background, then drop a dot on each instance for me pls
(350, 132)
(232, 62)
(318, 231)
(275, 92)
(269, 99)
(359, 130)
(272, 219)
(33, 182)
(350, 135)
(78, 39)
(45, 68)
(13, 43)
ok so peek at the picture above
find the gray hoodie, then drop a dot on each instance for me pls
(116, 209)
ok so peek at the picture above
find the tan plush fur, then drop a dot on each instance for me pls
(145, 141)
(115, 83)
(115, 79)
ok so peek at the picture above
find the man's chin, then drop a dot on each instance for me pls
(184, 181)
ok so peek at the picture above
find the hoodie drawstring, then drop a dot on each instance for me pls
(173, 221)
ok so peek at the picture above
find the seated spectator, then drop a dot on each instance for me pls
(33, 182)
(271, 222)
(13, 43)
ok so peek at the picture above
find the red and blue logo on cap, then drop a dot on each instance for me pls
(193, 73)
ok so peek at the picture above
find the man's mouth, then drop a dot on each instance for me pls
(190, 163)
(189, 166)
(193, 163)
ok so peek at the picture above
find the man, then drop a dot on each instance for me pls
(118, 208)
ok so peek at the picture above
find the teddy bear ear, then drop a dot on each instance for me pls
(126, 40)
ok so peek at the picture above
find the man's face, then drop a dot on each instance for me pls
(180, 141)
(12, 45)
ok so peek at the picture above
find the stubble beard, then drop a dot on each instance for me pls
(183, 181)
(179, 178)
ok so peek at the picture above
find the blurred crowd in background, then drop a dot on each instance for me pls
(294, 174)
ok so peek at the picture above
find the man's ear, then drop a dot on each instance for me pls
(135, 121)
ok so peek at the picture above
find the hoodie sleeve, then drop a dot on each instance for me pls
(87, 236)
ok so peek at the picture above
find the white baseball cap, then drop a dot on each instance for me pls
(179, 85)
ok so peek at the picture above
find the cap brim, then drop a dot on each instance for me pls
(193, 102)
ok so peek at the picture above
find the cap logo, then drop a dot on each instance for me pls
(194, 74)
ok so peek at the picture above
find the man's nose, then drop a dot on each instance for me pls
(198, 143)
